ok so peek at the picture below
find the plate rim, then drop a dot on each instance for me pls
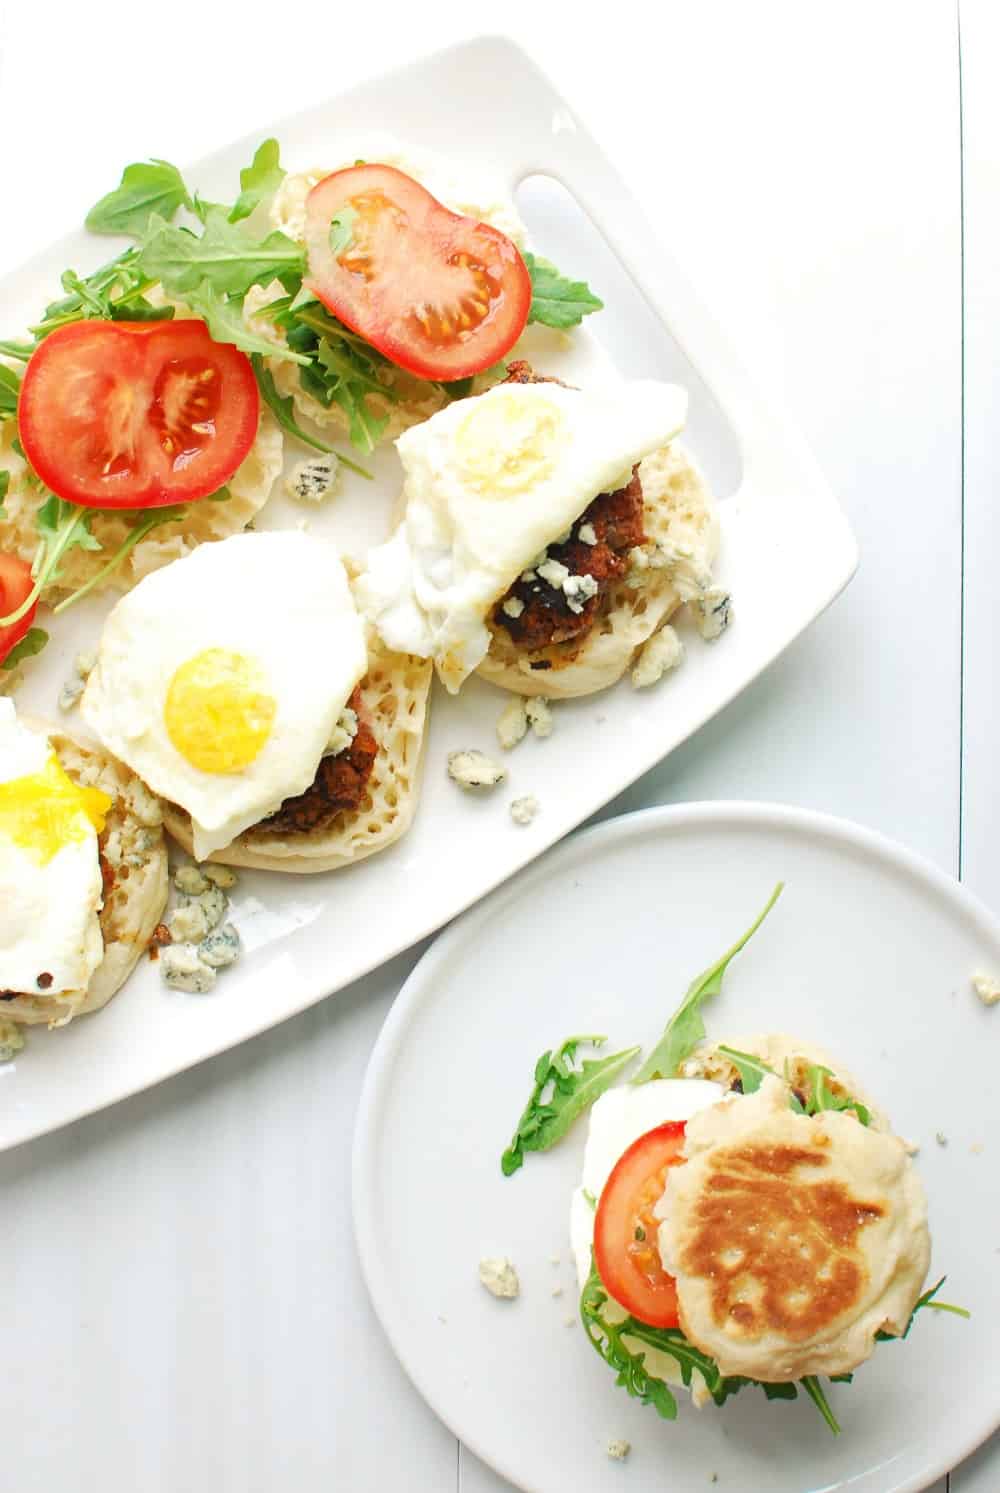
(419, 986)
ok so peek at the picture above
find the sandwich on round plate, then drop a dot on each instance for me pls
(239, 685)
(546, 534)
(745, 1215)
(83, 873)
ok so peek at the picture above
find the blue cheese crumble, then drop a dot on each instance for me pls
(523, 810)
(204, 941)
(314, 480)
(474, 771)
(500, 1278)
(182, 969)
(221, 948)
(539, 716)
(578, 589)
(343, 732)
(512, 725)
(663, 652)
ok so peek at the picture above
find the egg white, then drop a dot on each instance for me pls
(281, 600)
(490, 482)
(48, 911)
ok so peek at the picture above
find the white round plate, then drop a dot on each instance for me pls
(868, 953)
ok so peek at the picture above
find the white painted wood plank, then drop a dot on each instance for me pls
(184, 1305)
(980, 26)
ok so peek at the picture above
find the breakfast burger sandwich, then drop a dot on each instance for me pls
(239, 684)
(546, 534)
(745, 1217)
(83, 872)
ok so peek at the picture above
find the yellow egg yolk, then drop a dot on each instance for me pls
(508, 444)
(44, 811)
(218, 713)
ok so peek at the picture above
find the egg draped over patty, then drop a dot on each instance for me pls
(220, 678)
(490, 482)
(50, 875)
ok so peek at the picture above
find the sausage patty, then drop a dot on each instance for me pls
(338, 787)
(615, 522)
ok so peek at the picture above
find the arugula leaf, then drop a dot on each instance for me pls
(224, 319)
(10, 387)
(814, 1390)
(556, 301)
(33, 642)
(926, 1301)
(143, 521)
(223, 257)
(342, 230)
(685, 1029)
(260, 179)
(573, 1090)
(283, 409)
(116, 291)
(4, 489)
(147, 188)
(61, 527)
(820, 1097)
(20, 350)
(607, 1338)
(753, 1071)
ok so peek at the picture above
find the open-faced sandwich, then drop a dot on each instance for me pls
(405, 252)
(745, 1214)
(83, 873)
(546, 534)
(239, 685)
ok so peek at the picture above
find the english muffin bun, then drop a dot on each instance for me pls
(794, 1240)
(134, 864)
(682, 528)
(394, 703)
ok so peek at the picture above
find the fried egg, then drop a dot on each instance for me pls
(220, 678)
(490, 482)
(50, 873)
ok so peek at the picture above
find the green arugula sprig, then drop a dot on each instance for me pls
(63, 527)
(607, 1337)
(686, 1028)
(560, 1094)
(818, 1095)
(147, 188)
(258, 181)
(927, 1302)
(10, 388)
(143, 522)
(33, 642)
(556, 301)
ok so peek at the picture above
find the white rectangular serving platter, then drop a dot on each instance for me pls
(787, 551)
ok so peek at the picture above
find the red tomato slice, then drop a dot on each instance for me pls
(625, 1228)
(15, 584)
(441, 295)
(136, 414)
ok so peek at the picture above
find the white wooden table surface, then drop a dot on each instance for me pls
(183, 1309)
